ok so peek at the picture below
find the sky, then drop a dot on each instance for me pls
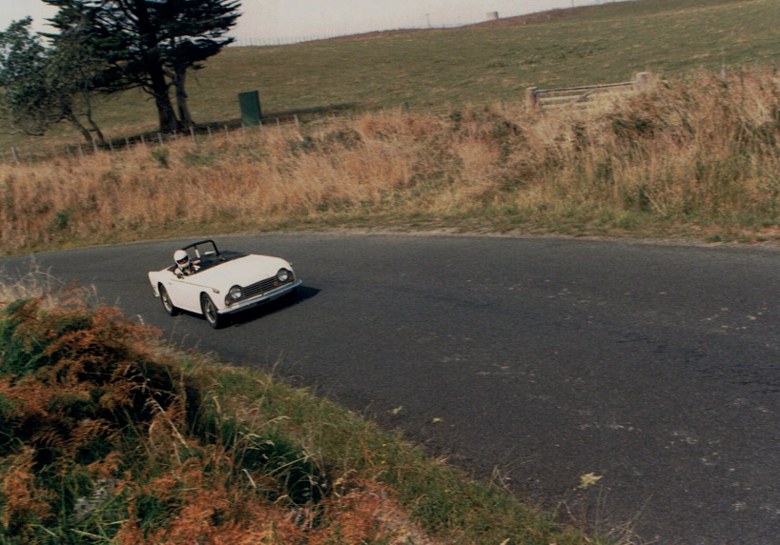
(266, 21)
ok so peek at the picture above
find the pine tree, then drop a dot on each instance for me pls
(25, 102)
(150, 44)
(42, 86)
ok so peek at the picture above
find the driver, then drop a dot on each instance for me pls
(183, 263)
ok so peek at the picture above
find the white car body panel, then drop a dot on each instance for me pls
(185, 291)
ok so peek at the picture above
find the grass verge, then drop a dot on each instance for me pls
(108, 435)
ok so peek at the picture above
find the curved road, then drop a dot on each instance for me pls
(621, 382)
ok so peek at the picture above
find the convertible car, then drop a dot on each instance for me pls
(216, 284)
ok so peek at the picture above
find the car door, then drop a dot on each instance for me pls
(184, 292)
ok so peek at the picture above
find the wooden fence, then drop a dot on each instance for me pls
(548, 99)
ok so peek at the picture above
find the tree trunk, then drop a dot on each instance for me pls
(88, 114)
(74, 120)
(165, 114)
(95, 129)
(179, 80)
(158, 85)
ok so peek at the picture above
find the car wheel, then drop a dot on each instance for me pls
(210, 311)
(167, 304)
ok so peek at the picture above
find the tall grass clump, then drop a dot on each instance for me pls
(690, 155)
(101, 441)
(109, 436)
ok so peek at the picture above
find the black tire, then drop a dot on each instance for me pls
(210, 311)
(293, 296)
(167, 304)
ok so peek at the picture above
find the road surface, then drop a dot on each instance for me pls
(619, 382)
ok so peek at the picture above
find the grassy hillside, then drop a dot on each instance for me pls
(436, 69)
(693, 157)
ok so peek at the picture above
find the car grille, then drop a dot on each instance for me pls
(263, 286)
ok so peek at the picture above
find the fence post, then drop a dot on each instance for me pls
(531, 98)
(94, 146)
(192, 133)
(642, 79)
(15, 154)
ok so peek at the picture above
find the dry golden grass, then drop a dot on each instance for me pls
(693, 155)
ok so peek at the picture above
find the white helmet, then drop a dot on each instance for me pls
(181, 258)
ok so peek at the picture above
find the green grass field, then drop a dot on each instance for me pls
(439, 69)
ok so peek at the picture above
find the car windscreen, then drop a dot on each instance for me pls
(201, 250)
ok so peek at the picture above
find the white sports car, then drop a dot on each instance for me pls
(216, 284)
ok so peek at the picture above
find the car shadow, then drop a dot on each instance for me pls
(303, 293)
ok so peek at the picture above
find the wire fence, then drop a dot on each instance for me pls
(19, 155)
(292, 40)
(16, 155)
(533, 100)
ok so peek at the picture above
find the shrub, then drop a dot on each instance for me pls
(98, 437)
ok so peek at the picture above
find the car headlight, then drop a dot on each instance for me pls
(283, 275)
(234, 295)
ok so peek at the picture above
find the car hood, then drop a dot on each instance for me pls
(243, 271)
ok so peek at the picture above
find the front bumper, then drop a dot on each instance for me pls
(260, 299)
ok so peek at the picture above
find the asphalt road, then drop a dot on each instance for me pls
(649, 373)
